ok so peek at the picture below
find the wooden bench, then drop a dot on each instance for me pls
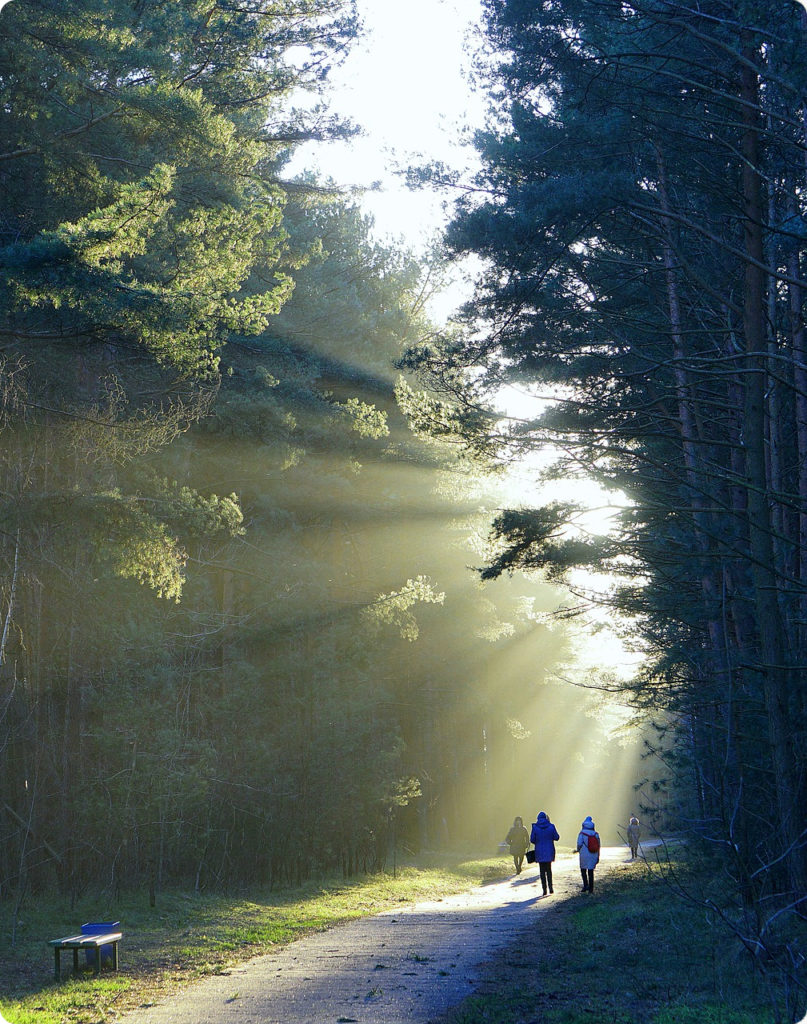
(77, 942)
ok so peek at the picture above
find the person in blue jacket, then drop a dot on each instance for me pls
(544, 835)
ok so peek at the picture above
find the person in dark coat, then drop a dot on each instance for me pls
(544, 835)
(519, 840)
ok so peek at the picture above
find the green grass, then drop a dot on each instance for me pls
(635, 953)
(187, 936)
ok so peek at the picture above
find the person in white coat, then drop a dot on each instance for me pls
(588, 846)
(633, 830)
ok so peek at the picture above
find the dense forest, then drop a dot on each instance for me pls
(641, 221)
(261, 591)
(239, 616)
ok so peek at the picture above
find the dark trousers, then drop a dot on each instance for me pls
(588, 879)
(546, 875)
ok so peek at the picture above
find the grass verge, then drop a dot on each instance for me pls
(186, 936)
(634, 953)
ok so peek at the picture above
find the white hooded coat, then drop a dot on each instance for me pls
(588, 859)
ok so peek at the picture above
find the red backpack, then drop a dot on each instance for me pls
(593, 842)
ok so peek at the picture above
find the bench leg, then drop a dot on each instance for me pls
(114, 956)
(75, 961)
(56, 964)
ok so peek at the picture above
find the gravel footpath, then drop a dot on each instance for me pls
(403, 966)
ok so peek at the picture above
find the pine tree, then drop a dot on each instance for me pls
(640, 219)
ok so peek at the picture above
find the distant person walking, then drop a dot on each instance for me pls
(588, 846)
(544, 835)
(634, 831)
(519, 839)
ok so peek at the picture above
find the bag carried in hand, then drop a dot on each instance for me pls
(530, 856)
(593, 842)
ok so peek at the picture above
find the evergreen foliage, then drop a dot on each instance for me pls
(640, 215)
(231, 578)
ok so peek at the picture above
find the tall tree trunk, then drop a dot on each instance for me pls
(700, 482)
(798, 343)
(12, 595)
(775, 672)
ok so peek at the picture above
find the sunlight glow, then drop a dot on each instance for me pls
(598, 649)
(569, 767)
(405, 85)
(548, 744)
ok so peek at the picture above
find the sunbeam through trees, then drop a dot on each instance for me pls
(285, 564)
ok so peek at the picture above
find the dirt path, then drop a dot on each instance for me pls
(400, 967)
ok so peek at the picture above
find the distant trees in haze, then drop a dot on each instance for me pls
(239, 640)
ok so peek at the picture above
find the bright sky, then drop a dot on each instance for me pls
(404, 84)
